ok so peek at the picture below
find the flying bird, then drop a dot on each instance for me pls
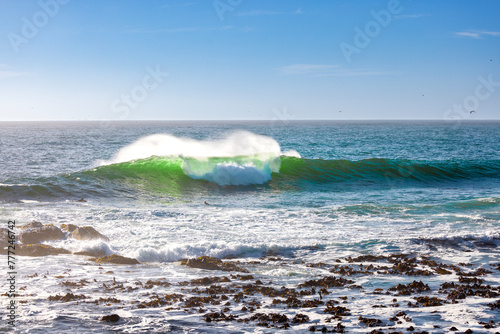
(472, 111)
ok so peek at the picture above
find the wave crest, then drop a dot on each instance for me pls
(241, 158)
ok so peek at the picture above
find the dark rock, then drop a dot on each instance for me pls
(300, 319)
(327, 282)
(111, 318)
(116, 259)
(94, 253)
(210, 263)
(34, 233)
(66, 298)
(495, 305)
(370, 322)
(429, 301)
(408, 289)
(39, 250)
(219, 316)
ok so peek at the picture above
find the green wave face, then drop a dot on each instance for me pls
(163, 175)
(179, 173)
(382, 172)
(178, 176)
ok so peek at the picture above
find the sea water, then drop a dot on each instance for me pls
(303, 192)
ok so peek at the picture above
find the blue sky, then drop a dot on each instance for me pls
(249, 59)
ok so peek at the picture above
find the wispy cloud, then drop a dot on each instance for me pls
(477, 34)
(322, 70)
(268, 13)
(175, 30)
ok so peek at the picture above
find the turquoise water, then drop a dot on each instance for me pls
(307, 191)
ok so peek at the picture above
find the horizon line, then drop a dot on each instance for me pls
(253, 120)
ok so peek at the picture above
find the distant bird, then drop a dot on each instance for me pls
(206, 203)
(472, 111)
(340, 110)
(81, 200)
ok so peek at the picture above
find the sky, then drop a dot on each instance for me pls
(249, 59)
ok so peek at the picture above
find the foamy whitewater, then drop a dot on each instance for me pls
(289, 203)
(241, 158)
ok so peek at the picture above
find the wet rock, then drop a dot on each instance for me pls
(408, 289)
(460, 291)
(488, 325)
(366, 258)
(39, 250)
(300, 319)
(242, 277)
(470, 280)
(337, 311)
(211, 263)
(68, 227)
(495, 305)
(66, 298)
(327, 282)
(219, 316)
(269, 319)
(34, 233)
(93, 253)
(111, 318)
(87, 233)
(207, 280)
(428, 301)
(478, 272)
(370, 322)
(116, 259)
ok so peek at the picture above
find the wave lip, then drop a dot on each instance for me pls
(238, 143)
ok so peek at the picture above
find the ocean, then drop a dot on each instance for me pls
(290, 202)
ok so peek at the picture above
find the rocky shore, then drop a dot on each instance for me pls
(231, 292)
(32, 236)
